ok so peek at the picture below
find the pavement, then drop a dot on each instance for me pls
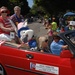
(39, 29)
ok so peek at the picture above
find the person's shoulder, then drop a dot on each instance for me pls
(21, 16)
(1, 20)
(8, 17)
(53, 42)
(48, 29)
(0, 17)
(54, 23)
(12, 15)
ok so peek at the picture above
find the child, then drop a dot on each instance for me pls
(62, 29)
(50, 33)
(45, 47)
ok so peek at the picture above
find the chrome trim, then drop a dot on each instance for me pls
(22, 69)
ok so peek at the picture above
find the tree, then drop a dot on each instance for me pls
(4, 3)
(24, 6)
(22, 3)
(55, 6)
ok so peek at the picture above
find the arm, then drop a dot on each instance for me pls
(6, 29)
(41, 51)
(64, 46)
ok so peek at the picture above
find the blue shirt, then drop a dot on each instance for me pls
(15, 19)
(56, 47)
(66, 28)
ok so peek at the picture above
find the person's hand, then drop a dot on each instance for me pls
(23, 45)
(66, 46)
(41, 51)
(12, 29)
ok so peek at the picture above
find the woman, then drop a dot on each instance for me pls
(6, 28)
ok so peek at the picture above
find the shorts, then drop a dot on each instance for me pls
(5, 37)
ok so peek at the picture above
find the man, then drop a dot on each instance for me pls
(17, 17)
(57, 45)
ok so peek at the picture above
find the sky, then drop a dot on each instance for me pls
(30, 3)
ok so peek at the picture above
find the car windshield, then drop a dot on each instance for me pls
(71, 37)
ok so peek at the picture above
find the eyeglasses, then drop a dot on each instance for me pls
(4, 12)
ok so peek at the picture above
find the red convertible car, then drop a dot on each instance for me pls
(22, 61)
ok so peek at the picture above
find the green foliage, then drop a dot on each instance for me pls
(10, 4)
(24, 6)
(13, 0)
(55, 6)
(42, 7)
(4, 3)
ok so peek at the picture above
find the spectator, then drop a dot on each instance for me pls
(6, 28)
(50, 34)
(17, 17)
(57, 45)
(58, 29)
(44, 47)
(62, 29)
(60, 21)
(67, 26)
(47, 24)
(54, 24)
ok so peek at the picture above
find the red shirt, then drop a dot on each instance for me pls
(6, 24)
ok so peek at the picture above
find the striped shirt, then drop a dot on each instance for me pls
(6, 24)
(16, 19)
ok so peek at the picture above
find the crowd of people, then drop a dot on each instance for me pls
(53, 44)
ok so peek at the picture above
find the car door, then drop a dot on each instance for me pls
(25, 62)
(49, 64)
(17, 61)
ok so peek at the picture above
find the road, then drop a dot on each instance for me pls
(39, 29)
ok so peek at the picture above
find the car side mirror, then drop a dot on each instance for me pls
(66, 54)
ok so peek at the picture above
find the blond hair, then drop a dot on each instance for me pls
(17, 7)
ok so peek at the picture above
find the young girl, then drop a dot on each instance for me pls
(50, 33)
(62, 29)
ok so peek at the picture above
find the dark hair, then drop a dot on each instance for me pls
(56, 37)
(46, 40)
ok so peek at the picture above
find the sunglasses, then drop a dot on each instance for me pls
(4, 12)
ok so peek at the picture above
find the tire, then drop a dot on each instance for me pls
(2, 71)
